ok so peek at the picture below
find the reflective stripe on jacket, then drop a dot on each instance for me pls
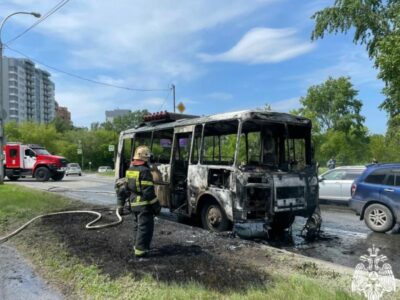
(140, 182)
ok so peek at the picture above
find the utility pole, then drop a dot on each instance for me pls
(2, 137)
(173, 95)
(2, 141)
(80, 151)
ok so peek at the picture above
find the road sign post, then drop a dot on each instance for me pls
(111, 148)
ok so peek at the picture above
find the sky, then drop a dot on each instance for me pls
(223, 55)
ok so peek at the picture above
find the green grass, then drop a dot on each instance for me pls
(19, 204)
(80, 280)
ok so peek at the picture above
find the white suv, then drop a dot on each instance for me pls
(73, 168)
(103, 169)
(335, 184)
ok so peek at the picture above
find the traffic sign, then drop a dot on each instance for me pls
(111, 148)
(79, 151)
(181, 107)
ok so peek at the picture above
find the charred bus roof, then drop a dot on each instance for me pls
(246, 115)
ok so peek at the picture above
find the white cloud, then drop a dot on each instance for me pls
(263, 45)
(157, 36)
(133, 43)
(286, 105)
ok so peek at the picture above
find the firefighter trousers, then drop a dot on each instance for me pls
(143, 226)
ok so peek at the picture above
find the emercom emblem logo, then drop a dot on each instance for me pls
(373, 276)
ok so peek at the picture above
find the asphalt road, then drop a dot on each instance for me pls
(19, 281)
(344, 237)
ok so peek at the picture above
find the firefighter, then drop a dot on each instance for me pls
(138, 186)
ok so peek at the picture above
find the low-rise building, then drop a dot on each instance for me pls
(63, 113)
(112, 114)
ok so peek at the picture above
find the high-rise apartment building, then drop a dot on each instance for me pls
(28, 92)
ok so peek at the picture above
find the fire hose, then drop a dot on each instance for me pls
(89, 225)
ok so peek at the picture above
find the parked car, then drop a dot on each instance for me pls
(336, 184)
(103, 169)
(73, 169)
(376, 196)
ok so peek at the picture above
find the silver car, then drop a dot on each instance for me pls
(336, 184)
(73, 169)
(104, 169)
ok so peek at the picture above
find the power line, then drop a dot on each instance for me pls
(45, 16)
(84, 78)
(165, 100)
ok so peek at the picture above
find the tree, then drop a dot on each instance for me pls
(383, 149)
(61, 125)
(337, 123)
(376, 25)
(332, 105)
(130, 120)
(350, 148)
(45, 135)
(388, 62)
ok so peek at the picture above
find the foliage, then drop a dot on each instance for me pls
(33, 133)
(122, 123)
(388, 62)
(376, 25)
(61, 125)
(337, 123)
(347, 148)
(384, 149)
(332, 105)
(130, 120)
(63, 139)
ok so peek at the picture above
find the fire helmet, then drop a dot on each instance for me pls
(142, 153)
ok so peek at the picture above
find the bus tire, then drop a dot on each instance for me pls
(42, 174)
(213, 217)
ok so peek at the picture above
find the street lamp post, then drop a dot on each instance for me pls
(2, 136)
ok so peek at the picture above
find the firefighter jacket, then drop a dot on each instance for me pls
(140, 183)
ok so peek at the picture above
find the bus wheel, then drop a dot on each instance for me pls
(42, 174)
(214, 218)
(282, 221)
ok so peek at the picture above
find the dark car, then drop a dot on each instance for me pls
(376, 196)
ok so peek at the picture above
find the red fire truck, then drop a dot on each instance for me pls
(32, 160)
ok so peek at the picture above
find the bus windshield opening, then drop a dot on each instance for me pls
(280, 147)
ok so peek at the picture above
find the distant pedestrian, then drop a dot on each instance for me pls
(331, 164)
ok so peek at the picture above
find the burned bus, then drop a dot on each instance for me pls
(248, 168)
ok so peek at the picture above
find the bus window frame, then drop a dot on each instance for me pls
(172, 129)
(239, 128)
